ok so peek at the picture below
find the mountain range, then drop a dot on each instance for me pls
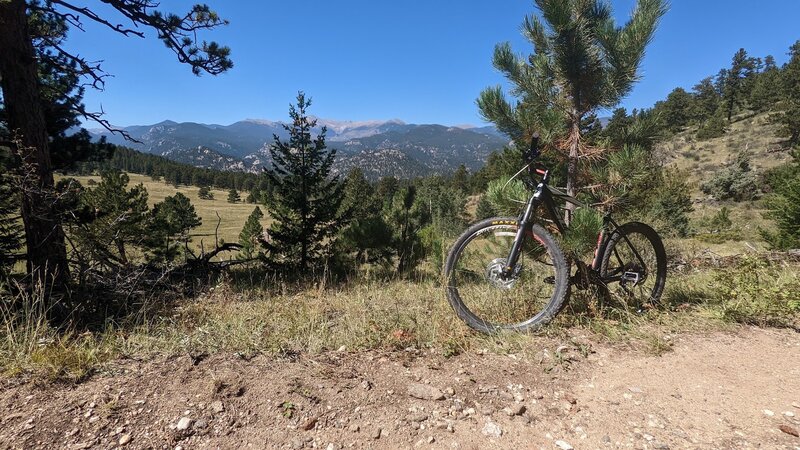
(379, 148)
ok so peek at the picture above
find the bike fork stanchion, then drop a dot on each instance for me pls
(524, 225)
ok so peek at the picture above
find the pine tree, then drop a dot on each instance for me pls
(407, 217)
(306, 199)
(485, 209)
(706, 99)
(252, 234)
(766, 90)
(358, 201)
(205, 193)
(118, 219)
(233, 196)
(783, 204)
(676, 110)
(171, 222)
(789, 116)
(460, 180)
(734, 90)
(582, 61)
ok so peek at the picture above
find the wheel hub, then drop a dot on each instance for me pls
(494, 273)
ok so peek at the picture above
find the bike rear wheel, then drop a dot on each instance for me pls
(634, 264)
(486, 301)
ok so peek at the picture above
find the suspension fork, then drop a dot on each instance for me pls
(525, 222)
(601, 242)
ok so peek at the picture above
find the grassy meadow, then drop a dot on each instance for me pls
(219, 217)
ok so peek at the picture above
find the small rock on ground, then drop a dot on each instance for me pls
(492, 429)
(790, 430)
(515, 410)
(563, 445)
(183, 424)
(424, 392)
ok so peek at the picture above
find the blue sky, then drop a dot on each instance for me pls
(418, 61)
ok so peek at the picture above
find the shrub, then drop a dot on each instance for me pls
(737, 182)
(711, 128)
(757, 292)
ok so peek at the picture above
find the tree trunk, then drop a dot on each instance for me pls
(572, 165)
(44, 237)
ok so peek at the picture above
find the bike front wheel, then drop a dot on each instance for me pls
(635, 262)
(489, 302)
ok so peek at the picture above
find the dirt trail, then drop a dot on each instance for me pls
(720, 390)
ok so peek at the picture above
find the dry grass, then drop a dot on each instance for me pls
(704, 158)
(394, 316)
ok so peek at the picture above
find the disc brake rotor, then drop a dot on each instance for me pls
(494, 274)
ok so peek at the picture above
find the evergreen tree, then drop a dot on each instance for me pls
(252, 234)
(170, 224)
(358, 200)
(715, 126)
(386, 189)
(460, 180)
(616, 127)
(735, 86)
(706, 100)
(789, 115)
(408, 218)
(581, 62)
(676, 110)
(766, 90)
(118, 218)
(233, 196)
(367, 238)
(784, 205)
(205, 193)
(306, 199)
(485, 209)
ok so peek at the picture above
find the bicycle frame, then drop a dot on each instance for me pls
(545, 195)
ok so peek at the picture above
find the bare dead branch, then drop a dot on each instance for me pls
(88, 13)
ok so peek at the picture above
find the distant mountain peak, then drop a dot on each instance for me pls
(266, 122)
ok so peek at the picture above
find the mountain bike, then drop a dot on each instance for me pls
(507, 273)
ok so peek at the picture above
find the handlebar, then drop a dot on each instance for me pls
(533, 151)
(531, 156)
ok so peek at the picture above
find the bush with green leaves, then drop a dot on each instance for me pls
(715, 126)
(737, 182)
(758, 292)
